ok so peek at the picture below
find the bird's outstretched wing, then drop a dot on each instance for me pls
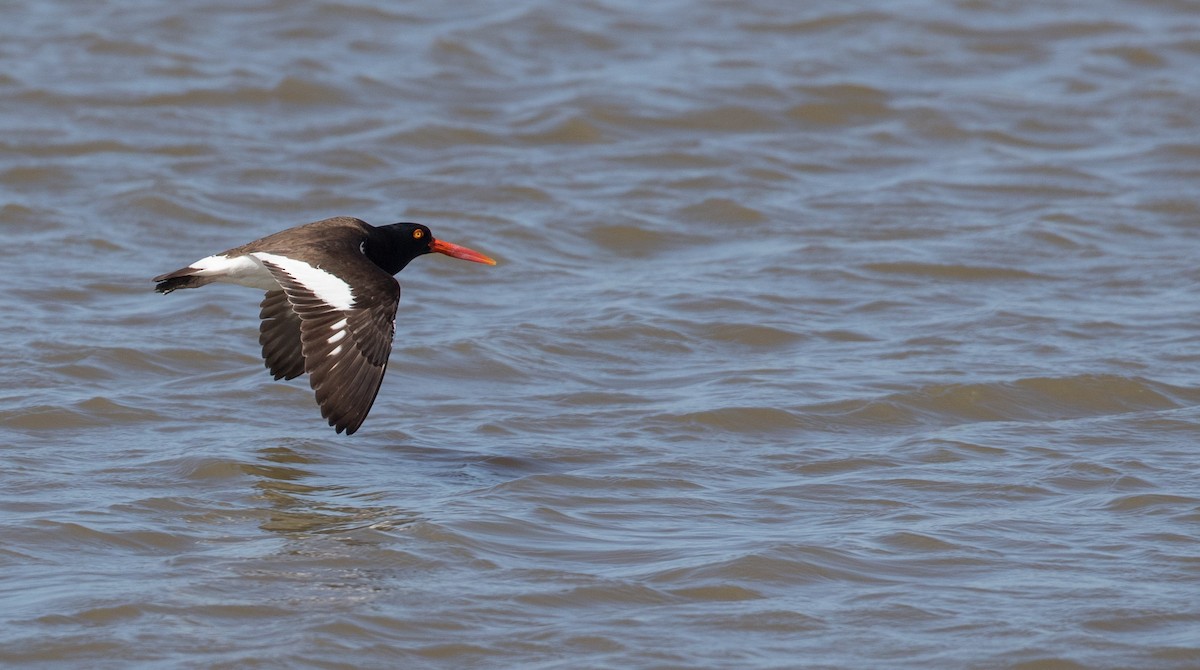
(279, 335)
(345, 335)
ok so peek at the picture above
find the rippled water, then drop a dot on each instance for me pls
(827, 334)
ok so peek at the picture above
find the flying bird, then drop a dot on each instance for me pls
(330, 307)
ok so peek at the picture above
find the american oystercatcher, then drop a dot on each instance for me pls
(330, 308)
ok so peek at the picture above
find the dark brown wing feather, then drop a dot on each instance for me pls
(346, 373)
(279, 335)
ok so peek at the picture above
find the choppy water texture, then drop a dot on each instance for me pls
(830, 335)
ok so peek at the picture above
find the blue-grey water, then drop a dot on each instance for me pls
(823, 335)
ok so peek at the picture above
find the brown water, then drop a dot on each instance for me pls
(830, 335)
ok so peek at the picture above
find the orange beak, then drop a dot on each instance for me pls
(460, 252)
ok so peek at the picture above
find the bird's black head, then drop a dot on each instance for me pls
(393, 247)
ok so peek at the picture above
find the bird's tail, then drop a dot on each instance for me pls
(183, 278)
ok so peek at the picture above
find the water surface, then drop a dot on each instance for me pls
(823, 335)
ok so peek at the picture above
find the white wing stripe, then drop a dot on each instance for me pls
(328, 288)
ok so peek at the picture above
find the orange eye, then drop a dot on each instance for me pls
(418, 234)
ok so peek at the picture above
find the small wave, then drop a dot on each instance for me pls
(820, 24)
(718, 119)
(723, 211)
(633, 240)
(953, 271)
(75, 535)
(91, 413)
(780, 564)
(440, 135)
(842, 105)
(574, 130)
(745, 420)
(153, 203)
(1154, 502)
(1039, 398)
(291, 91)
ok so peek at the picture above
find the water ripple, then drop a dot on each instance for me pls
(858, 336)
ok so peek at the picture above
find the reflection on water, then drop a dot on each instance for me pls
(300, 504)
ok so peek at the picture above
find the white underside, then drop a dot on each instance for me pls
(248, 270)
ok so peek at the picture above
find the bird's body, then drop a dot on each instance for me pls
(331, 301)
